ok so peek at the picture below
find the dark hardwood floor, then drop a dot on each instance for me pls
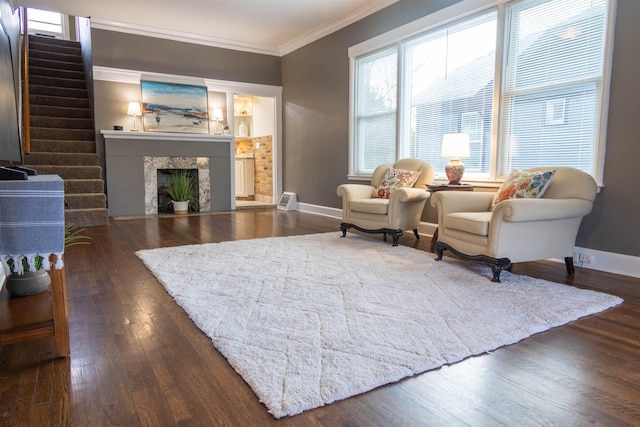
(137, 359)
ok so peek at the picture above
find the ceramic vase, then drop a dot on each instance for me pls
(180, 208)
(29, 283)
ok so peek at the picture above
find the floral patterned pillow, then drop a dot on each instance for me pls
(522, 185)
(395, 178)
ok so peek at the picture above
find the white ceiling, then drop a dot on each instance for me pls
(273, 27)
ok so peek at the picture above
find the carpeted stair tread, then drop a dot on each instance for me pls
(57, 82)
(62, 159)
(51, 43)
(54, 72)
(54, 56)
(62, 146)
(58, 101)
(61, 122)
(84, 200)
(70, 134)
(48, 63)
(57, 91)
(55, 111)
(79, 186)
(86, 217)
(70, 172)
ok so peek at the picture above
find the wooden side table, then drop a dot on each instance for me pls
(445, 187)
(32, 212)
(37, 316)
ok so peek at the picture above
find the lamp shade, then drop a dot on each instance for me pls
(216, 114)
(134, 109)
(455, 145)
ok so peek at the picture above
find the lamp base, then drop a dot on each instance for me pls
(454, 170)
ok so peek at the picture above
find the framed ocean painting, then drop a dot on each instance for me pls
(169, 107)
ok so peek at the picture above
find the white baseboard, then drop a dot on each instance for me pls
(320, 210)
(609, 262)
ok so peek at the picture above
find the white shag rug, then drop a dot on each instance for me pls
(308, 320)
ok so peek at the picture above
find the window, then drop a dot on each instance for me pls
(45, 22)
(524, 79)
(450, 88)
(376, 95)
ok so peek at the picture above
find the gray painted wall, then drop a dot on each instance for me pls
(132, 52)
(10, 88)
(315, 81)
(315, 93)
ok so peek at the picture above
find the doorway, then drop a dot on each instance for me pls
(254, 131)
(258, 110)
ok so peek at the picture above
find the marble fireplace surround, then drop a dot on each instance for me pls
(132, 159)
(151, 166)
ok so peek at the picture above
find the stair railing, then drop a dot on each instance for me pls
(26, 118)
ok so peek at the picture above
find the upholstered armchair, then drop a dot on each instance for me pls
(531, 226)
(392, 203)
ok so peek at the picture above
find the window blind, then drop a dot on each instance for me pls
(376, 106)
(552, 85)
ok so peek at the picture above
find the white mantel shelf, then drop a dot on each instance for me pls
(165, 136)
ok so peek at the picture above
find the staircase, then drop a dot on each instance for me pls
(62, 129)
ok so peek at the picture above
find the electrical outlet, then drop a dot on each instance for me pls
(585, 258)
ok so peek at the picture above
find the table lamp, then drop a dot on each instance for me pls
(455, 145)
(134, 110)
(216, 114)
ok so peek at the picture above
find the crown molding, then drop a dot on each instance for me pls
(318, 33)
(163, 33)
(313, 35)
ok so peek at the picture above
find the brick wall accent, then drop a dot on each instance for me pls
(263, 155)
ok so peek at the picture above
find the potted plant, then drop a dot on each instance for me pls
(38, 280)
(181, 191)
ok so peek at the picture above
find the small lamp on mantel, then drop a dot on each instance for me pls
(134, 110)
(216, 114)
(455, 145)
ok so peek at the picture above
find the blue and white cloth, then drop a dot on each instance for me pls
(31, 222)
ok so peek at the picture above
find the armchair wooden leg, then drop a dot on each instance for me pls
(568, 261)
(395, 236)
(496, 264)
(496, 269)
(439, 250)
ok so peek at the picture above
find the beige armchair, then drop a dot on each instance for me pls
(401, 211)
(519, 229)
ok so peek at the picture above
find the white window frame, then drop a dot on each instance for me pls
(64, 34)
(451, 14)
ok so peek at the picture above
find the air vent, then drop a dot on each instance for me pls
(288, 201)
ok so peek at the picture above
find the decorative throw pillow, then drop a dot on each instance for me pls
(523, 185)
(395, 178)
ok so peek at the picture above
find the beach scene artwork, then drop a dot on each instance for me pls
(169, 107)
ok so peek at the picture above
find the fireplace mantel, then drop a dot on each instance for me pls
(124, 160)
(165, 136)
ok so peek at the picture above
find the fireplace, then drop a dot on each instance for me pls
(157, 173)
(133, 158)
(164, 177)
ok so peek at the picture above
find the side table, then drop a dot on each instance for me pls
(445, 187)
(32, 213)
